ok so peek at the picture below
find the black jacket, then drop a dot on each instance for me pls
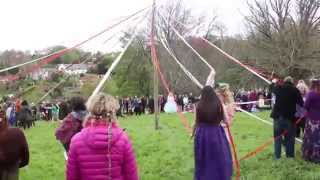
(25, 114)
(287, 97)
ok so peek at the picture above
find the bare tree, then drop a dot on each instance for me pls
(186, 22)
(174, 11)
(287, 32)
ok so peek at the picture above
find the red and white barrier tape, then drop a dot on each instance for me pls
(251, 102)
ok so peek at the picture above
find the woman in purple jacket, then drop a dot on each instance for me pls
(101, 150)
(311, 144)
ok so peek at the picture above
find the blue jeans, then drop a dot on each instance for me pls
(280, 125)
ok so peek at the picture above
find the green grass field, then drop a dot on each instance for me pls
(167, 154)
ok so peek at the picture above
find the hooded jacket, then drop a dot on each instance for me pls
(287, 97)
(88, 154)
(71, 125)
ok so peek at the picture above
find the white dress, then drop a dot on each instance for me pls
(171, 105)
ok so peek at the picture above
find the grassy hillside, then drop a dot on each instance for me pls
(42, 87)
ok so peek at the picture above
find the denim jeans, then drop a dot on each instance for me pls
(280, 125)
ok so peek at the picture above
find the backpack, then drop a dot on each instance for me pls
(69, 127)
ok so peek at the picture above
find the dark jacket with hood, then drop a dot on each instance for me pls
(71, 125)
(287, 97)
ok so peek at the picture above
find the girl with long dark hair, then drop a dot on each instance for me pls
(212, 153)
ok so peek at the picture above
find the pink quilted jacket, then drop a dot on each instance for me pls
(88, 155)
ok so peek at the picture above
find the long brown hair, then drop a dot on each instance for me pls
(209, 109)
(3, 121)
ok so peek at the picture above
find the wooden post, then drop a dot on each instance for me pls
(155, 73)
(156, 97)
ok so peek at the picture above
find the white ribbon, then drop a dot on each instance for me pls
(193, 79)
(114, 64)
(212, 73)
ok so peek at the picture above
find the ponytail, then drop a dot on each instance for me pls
(109, 136)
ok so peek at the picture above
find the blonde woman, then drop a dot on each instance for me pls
(229, 108)
(300, 111)
(101, 150)
(303, 88)
(226, 97)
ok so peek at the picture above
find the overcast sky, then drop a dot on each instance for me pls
(37, 24)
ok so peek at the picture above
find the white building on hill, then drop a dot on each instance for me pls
(74, 68)
(42, 73)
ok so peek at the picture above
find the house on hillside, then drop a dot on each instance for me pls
(42, 73)
(74, 69)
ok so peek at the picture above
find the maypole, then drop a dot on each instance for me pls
(155, 73)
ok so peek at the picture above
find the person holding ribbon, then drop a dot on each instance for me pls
(213, 159)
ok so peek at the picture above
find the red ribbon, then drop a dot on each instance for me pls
(268, 143)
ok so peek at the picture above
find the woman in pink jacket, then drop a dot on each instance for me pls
(102, 150)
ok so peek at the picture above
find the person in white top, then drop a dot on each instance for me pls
(303, 88)
(226, 97)
(9, 115)
(185, 102)
(171, 105)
